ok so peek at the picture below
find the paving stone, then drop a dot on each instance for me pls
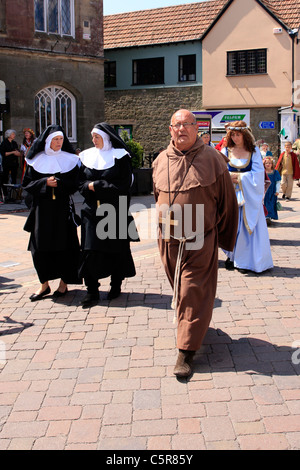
(103, 378)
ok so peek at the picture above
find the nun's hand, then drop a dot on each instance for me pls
(51, 181)
(91, 186)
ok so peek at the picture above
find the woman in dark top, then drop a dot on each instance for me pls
(10, 157)
(107, 228)
(51, 177)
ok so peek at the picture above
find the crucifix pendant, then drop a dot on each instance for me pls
(168, 221)
(98, 203)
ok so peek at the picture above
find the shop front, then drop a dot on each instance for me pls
(214, 121)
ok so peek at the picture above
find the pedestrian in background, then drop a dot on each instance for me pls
(270, 199)
(289, 169)
(265, 151)
(222, 144)
(10, 152)
(205, 136)
(29, 138)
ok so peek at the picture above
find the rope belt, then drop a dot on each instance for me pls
(182, 242)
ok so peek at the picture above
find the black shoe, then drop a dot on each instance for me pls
(115, 289)
(114, 293)
(283, 196)
(57, 293)
(35, 297)
(90, 299)
(229, 265)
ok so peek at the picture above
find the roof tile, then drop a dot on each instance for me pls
(179, 23)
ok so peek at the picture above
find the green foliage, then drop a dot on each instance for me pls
(136, 150)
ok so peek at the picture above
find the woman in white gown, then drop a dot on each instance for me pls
(252, 249)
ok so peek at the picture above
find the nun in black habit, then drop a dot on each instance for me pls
(107, 227)
(51, 178)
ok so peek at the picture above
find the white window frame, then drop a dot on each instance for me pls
(52, 92)
(46, 22)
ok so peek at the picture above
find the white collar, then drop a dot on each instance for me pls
(59, 162)
(101, 160)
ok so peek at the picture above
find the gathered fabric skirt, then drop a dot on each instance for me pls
(98, 265)
(252, 252)
(51, 265)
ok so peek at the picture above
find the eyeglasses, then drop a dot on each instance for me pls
(183, 124)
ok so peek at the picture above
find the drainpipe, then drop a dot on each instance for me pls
(294, 34)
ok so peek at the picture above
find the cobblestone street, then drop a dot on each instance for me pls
(102, 378)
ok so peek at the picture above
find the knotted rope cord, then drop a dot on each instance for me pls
(182, 242)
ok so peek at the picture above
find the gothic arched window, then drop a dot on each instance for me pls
(55, 105)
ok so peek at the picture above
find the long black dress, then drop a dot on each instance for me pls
(10, 163)
(52, 224)
(103, 257)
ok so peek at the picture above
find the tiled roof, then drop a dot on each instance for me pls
(160, 25)
(288, 11)
(180, 23)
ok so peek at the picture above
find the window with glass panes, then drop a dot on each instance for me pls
(110, 78)
(247, 62)
(148, 71)
(55, 105)
(187, 68)
(54, 16)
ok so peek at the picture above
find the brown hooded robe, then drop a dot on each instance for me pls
(207, 182)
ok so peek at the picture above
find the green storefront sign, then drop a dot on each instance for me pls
(233, 117)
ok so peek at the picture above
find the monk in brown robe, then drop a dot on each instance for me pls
(198, 212)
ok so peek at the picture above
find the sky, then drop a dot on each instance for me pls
(111, 7)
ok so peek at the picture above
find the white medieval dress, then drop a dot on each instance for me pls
(252, 249)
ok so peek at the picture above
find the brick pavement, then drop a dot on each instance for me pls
(103, 378)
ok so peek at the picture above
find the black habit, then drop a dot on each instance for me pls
(103, 257)
(52, 223)
(107, 255)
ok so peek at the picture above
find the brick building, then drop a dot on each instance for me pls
(51, 66)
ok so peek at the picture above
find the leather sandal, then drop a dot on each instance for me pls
(183, 365)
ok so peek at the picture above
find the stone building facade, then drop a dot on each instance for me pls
(148, 111)
(51, 64)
